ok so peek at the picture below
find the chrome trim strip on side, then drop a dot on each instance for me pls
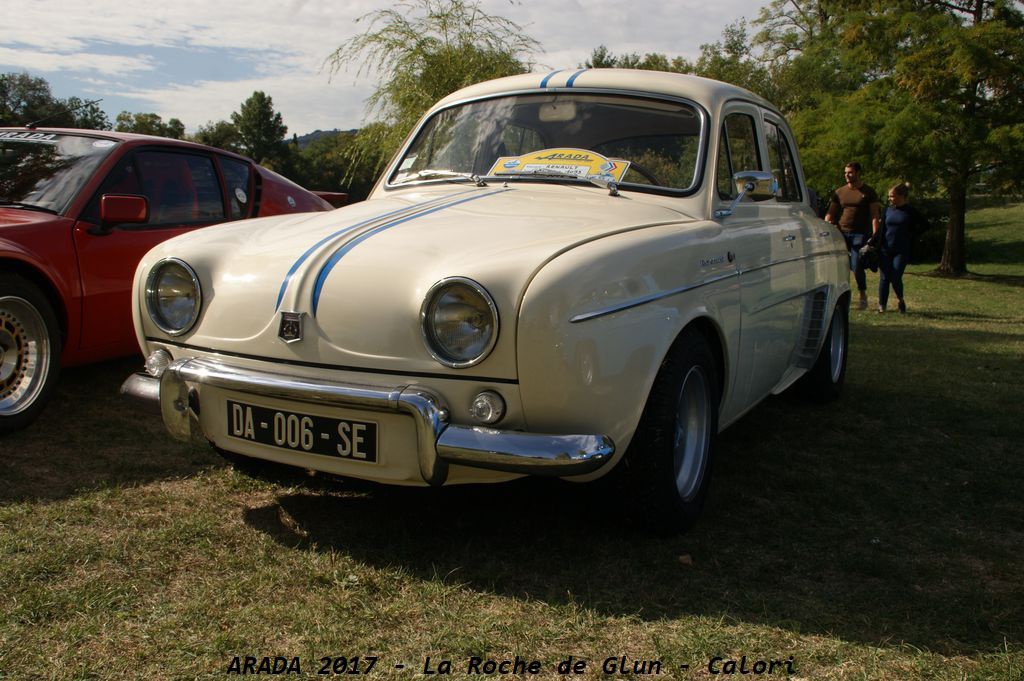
(587, 316)
(438, 442)
(601, 312)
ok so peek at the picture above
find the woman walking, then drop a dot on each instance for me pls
(899, 224)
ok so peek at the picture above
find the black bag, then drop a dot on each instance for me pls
(869, 252)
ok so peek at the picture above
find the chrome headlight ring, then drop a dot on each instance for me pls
(173, 296)
(459, 322)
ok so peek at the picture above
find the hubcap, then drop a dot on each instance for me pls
(838, 345)
(24, 355)
(692, 434)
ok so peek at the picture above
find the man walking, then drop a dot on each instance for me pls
(856, 209)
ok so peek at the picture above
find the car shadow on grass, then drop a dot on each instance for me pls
(89, 437)
(888, 517)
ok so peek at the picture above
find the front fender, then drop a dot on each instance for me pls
(583, 373)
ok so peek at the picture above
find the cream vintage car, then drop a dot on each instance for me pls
(559, 274)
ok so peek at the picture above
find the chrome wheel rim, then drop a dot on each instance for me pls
(24, 355)
(692, 433)
(837, 350)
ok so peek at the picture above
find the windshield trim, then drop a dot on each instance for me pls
(702, 149)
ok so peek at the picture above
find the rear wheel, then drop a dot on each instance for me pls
(29, 351)
(671, 455)
(824, 381)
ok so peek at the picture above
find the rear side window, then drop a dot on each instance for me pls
(780, 156)
(236, 176)
(737, 151)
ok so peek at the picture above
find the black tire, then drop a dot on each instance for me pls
(824, 381)
(29, 351)
(671, 456)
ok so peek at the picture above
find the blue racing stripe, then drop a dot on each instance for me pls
(544, 83)
(573, 77)
(329, 265)
(318, 244)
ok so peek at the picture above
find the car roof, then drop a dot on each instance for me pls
(705, 91)
(134, 138)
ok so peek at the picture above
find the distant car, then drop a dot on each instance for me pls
(78, 209)
(561, 274)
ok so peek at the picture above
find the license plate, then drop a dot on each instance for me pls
(343, 438)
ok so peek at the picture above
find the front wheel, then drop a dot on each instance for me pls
(29, 351)
(670, 458)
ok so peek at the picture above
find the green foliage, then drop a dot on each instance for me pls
(261, 130)
(220, 134)
(149, 124)
(425, 50)
(923, 91)
(324, 165)
(730, 60)
(27, 99)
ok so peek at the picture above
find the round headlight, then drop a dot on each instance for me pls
(460, 322)
(173, 297)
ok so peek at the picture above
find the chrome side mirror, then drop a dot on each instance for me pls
(759, 185)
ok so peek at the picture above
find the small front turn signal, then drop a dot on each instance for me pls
(157, 363)
(488, 407)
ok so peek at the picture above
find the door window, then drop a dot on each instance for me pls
(737, 150)
(780, 156)
(181, 188)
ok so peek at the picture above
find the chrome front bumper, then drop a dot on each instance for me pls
(439, 443)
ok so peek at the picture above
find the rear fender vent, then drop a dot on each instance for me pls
(813, 328)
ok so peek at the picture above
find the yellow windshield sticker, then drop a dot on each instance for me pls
(578, 163)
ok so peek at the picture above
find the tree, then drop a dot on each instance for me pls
(261, 130)
(149, 124)
(966, 75)
(730, 60)
(26, 99)
(426, 49)
(920, 90)
(221, 135)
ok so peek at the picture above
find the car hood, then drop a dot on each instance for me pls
(359, 274)
(11, 217)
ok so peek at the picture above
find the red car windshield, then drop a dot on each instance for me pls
(44, 171)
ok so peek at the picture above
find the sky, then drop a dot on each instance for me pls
(199, 60)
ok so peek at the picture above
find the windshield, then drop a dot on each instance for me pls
(44, 171)
(634, 141)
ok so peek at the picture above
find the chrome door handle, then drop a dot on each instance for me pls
(823, 234)
(789, 237)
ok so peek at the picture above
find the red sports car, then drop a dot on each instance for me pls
(78, 210)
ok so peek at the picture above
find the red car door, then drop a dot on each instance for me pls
(184, 193)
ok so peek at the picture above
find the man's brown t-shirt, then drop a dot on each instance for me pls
(856, 207)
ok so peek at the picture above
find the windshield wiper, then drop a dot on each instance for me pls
(605, 182)
(28, 206)
(450, 175)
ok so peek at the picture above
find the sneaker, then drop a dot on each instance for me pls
(863, 304)
(903, 307)
(881, 309)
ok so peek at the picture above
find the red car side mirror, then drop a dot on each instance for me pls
(117, 209)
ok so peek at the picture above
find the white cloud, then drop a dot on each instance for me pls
(101, 64)
(285, 44)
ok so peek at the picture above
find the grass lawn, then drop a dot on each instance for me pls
(879, 537)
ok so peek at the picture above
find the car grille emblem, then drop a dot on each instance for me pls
(290, 329)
